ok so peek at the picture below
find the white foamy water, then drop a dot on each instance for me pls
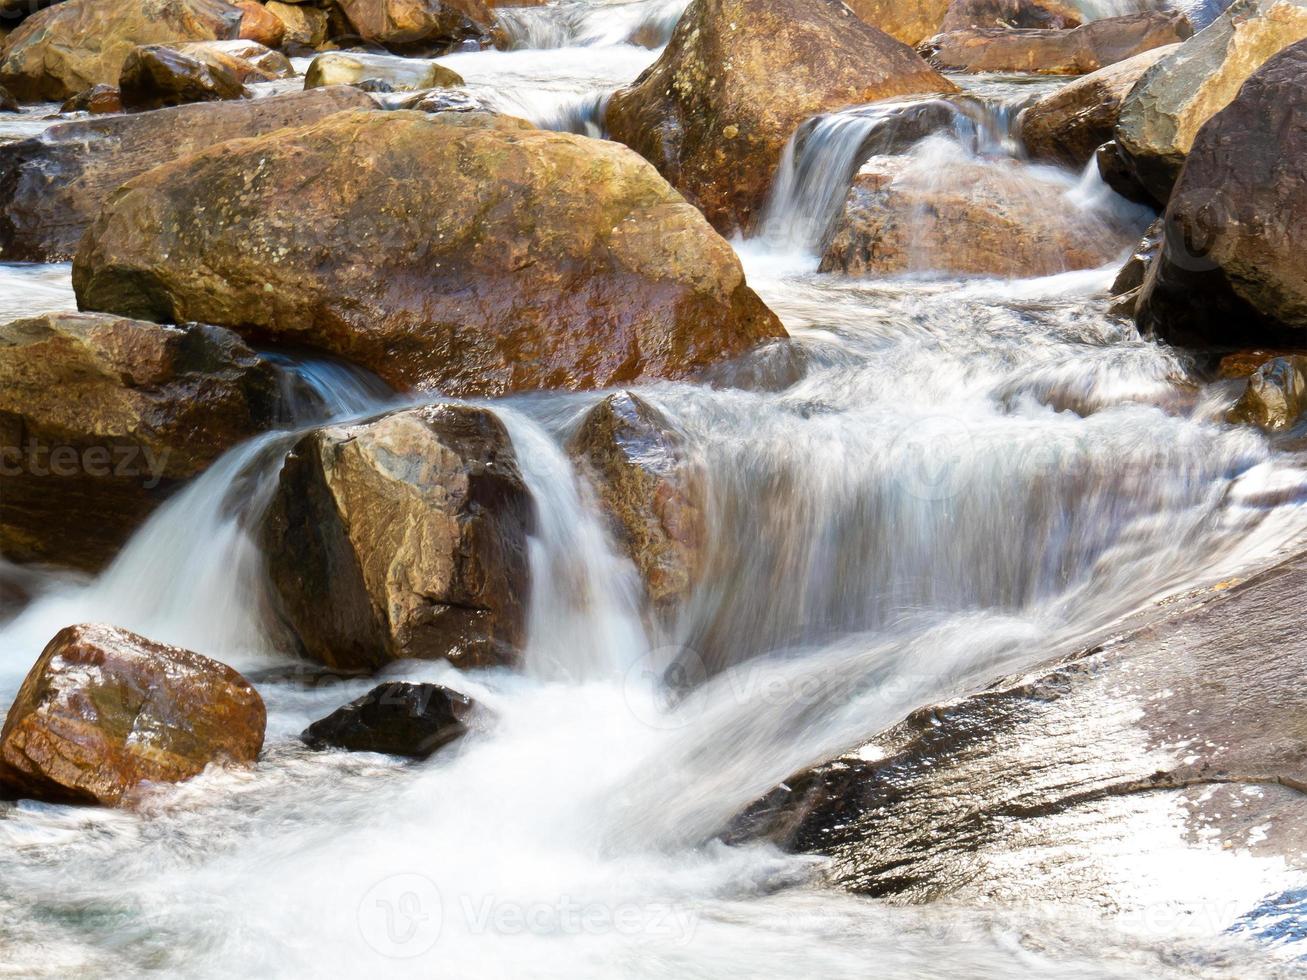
(962, 478)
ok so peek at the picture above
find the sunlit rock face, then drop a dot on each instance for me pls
(104, 711)
(1083, 781)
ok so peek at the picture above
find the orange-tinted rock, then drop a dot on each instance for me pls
(248, 61)
(985, 219)
(102, 418)
(304, 28)
(104, 711)
(66, 49)
(738, 77)
(1075, 52)
(909, 21)
(650, 490)
(99, 100)
(522, 260)
(260, 25)
(419, 26)
(405, 537)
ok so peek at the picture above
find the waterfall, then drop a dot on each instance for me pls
(648, 23)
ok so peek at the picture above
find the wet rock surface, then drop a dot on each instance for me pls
(53, 185)
(412, 720)
(1185, 737)
(1229, 272)
(157, 76)
(97, 100)
(1096, 45)
(650, 490)
(1163, 114)
(404, 537)
(1011, 14)
(525, 259)
(101, 418)
(900, 217)
(714, 113)
(1276, 395)
(398, 74)
(1069, 125)
(73, 45)
(419, 26)
(104, 712)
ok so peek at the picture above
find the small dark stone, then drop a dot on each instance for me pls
(396, 718)
(374, 85)
(98, 100)
(7, 102)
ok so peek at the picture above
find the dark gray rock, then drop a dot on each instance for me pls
(412, 720)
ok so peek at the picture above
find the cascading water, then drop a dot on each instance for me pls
(966, 477)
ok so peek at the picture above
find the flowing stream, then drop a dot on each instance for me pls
(961, 478)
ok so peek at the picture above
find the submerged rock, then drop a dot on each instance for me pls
(404, 537)
(419, 26)
(101, 418)
(105, 711)
(1069, 125)
(396, 718)
(649, 489)
(1276, 396)
(714, 113)
(399, 74)
(1076, 52)
(1163, 114)
(521, 260)
(984, 218)
(53, 185)
(1185, 737)
(1230, 269)
(157, 76)
(65, 49)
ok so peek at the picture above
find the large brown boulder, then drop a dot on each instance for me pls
(1230, 271)
(909, 21)
(1185, 737)
(419, 26)
(1069, 125)
(405, 537)
(522, 259)
(105, 711)
(650, 489)
(1162, 115)
(1076, 52)
(67, 48)
(102, 418)
(987, 219)
(715, 111)
(156, 76)
(53, 185)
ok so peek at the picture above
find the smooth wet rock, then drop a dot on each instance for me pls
(404, 537)
(1126, 286)
(411, 720)
(105, 712)
(98, 100)
(518, 261)
(304, 28)
(157, 76)
(987, 219)
(260, 25)
(419, 26)
(53, 185)
(1075, 52)
(1069, 125)
(1276, 396)
(738, 77)
(1184, 740)
(102, 418)
(1010, 14)
(65, 49)
(650, 489)
(1230, 272)
(248, 61)
(399, 74)
(1163, 114)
